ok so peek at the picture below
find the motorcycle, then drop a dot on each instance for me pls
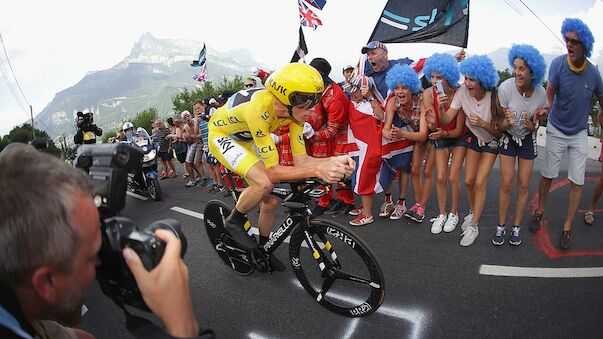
(146, 180)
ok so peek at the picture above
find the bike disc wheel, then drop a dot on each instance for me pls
(346, 278)
(231, 255)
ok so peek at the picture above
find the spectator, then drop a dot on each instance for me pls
(165, 151)
(573, 81)
(520, 97)
(446, 139)
(589, 215)
(404, 125)
(326, 135)
(478, 99)
(364, 130)
(249, 83)
(348, 72)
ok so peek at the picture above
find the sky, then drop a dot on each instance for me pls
(53, 44)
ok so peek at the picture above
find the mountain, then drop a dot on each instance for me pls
(155, 71)
(501, 61)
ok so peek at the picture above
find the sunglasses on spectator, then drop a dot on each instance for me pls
(573, 41)
(248, 85)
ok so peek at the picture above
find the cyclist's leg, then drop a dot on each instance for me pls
(267, 213)
(241, 159)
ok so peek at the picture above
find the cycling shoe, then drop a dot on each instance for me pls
(240, 236)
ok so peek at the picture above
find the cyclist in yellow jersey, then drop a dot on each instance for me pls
(239, 137)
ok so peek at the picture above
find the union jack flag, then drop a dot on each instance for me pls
(317, 3)
(201, 77)
(307, 17)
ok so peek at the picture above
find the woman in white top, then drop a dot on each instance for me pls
(522, 99)
(478, 99)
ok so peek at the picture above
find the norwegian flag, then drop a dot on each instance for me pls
(317, 3)
(307, 17)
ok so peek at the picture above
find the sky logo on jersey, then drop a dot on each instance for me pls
(277, 87)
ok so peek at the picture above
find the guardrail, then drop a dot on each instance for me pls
(594, 144)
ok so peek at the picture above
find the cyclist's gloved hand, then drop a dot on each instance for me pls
(275, 138)
(308, 130)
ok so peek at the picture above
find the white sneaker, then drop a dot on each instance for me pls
(469, 235)
(399, 210)
(451, 222)
(438, 223)
(386, 209)
(467, 221)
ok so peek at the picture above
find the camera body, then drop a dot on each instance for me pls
(108, 166)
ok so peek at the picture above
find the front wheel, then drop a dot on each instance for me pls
(337, 268)
(154, 189)
(237, 259)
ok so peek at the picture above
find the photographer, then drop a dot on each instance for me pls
(87, 131)
(49, 241)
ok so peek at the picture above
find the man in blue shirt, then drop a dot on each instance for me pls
(573, 81)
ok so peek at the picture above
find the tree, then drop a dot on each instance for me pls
(503, 75)
(23, 134)
(145, 118)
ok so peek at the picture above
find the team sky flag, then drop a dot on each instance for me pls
(435, 21)
(302, 49)
(320, 4)
(201, 60)
(307, 17)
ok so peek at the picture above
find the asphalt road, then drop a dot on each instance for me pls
(434, 287)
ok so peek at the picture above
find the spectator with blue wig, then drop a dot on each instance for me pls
(443, 72)
(522, 98)
(477, 97)
(404, 125)
(572, 83)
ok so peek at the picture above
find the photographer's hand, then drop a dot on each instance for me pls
(165, 288)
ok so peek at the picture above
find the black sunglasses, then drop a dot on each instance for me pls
(248, 85)
(573, 41)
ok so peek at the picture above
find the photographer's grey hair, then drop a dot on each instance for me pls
(36, 212)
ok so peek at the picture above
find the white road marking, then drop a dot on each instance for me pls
(541, 272)
(187, 212)
(414, 316)
(137, 196)
(351, 328)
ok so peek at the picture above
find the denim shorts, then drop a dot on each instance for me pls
(507, 145)
(470, 141)
(447, 143)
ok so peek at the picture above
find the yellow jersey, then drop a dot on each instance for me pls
(248, 117)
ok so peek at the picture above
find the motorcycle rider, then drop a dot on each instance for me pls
(87, 130)
(128, 132)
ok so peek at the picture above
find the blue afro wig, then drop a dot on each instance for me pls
(446, 65)
(482, 69)
(532, 58)
(584, 34)
(404, 75)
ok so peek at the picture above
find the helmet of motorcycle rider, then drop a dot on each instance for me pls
(127, 125)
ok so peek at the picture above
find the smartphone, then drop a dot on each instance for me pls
(439, 87)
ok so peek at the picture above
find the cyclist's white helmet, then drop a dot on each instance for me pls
(127, 125)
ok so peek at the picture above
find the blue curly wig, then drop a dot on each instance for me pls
(446, 65)
(482, 69)
(404, 75)
(532, 58)
(584, 34)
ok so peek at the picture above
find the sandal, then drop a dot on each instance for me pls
(536, 220)
(589, 217)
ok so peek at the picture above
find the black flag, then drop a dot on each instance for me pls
(436, 21)
(302, 49)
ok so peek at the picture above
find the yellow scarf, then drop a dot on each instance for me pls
(576, 69)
